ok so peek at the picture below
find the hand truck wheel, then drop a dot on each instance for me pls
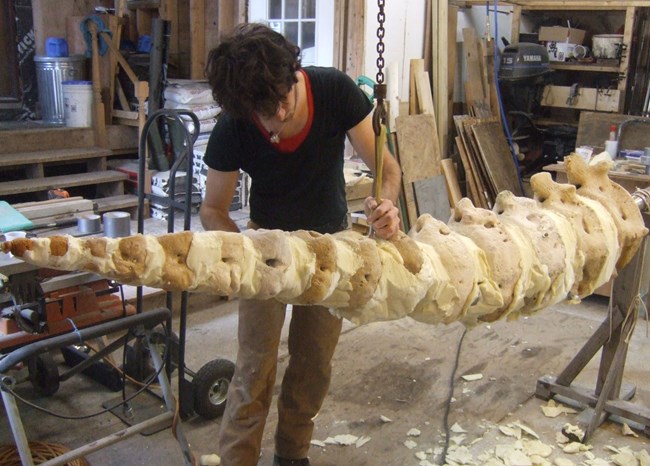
(210, 385)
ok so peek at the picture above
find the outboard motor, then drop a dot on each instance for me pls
(523, 60)
(524, 70)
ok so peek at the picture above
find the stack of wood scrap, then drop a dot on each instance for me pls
(487, 159)
(418, 152)
(481, 142)
(55, 212)
(480, 85)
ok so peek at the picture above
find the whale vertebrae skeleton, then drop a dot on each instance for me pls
(482, 265)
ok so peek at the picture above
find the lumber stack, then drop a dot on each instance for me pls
(480, 139)
(419, 153)
(480, 84)
(487, 160)
(55, 211)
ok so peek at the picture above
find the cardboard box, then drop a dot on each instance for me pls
(561, 34)
(559, 51)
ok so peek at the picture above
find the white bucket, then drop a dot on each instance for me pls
(607, 45)
(77, 103)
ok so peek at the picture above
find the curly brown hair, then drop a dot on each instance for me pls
(252, 70)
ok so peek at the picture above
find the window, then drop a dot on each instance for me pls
(307, 23)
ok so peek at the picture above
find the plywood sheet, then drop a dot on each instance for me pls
(478, 162)
(419, 149)
(496, 156)
(476, 170)
(431, 196)
(476, 191)
(593, 130)
(475, 93)
(470, 179)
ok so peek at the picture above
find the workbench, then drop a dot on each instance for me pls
(628, 181)
(356, 191)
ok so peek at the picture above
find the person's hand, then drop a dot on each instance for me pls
(383, 217)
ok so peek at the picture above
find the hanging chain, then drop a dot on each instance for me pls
(379, 117)
(380, 112)
(380, 87)
(381, 17)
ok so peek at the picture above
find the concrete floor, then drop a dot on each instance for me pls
(399, 370)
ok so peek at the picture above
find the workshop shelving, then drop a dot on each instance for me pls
(35, 161)
(604, 84)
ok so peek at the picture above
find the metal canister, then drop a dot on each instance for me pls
(50, 73)
(89, 223)
(117, 224)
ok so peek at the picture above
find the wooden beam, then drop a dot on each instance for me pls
(49, 20)
(475, 92)
(451, 179)
(227, 14)
(348, 34)
(169, 12)
(560, 4)
(440, 73)
(516, 25)
(423, 86)
(579, 4)
(630, 14)
(489, 57)
(115, 26)
(416, 67)
(99, 121)
(452, 63)
(428, 35)
(197, 39)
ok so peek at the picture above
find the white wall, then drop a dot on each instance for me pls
(404, 33)
(403, 39)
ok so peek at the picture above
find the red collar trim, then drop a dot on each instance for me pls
(291, 144)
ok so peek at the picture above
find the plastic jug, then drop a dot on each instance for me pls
(56, 47)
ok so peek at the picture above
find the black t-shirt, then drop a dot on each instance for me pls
(304, 189)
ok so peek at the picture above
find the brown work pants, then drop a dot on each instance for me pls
(313, 335)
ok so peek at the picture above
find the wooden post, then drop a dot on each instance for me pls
(349, 27)
(115, 27)
(451, 178)
(99, 123)
(440, 64)
(197, 39)
(417, 66)
(628, 33)
(452, 63)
